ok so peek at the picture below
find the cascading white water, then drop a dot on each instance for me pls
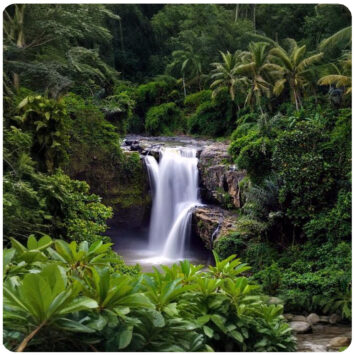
(174, 184)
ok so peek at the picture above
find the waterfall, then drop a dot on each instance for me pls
(174, 183)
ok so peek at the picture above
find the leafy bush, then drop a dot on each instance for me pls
(163, 119)
(213, 118)
(270, 278)
(78, 296)
(299, 153)
(118, 110)
(56, 204)
(333, 224)
(154, 93)
(47, 121)
(192, 101)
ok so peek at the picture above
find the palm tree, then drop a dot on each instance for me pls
(224, 74)
(291, 66)
(339, 75)
(341, 38)
(189, 64)
(256, 69)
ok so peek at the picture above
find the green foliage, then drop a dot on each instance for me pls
(35, 203)
(78, 214)
(340, 303)
(74, 292)
(118, 110)
(334, 224)
(96, 157)
(50, 47)
(194, 100)
(296, 197)
(270, 278)
(213, 118)
(163, 119)
(47, 121)
(299, 153)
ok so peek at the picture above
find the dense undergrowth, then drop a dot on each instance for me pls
(82, 297)
(77, 78)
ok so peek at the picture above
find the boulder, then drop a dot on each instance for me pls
(338, 342)
(136, 147)
(299, 318)
(300, 327)
(219, 177)
(275, 300)
(334, 318)
(323, 319)
(211, 222)
(288, 316)
(129, 142)
(312, 318)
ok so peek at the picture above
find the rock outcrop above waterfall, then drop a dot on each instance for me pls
(212, 222)
(121, 181)
(219, 177)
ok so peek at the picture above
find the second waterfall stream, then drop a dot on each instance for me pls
(174, 184)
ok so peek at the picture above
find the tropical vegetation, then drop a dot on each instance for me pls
(277, 88)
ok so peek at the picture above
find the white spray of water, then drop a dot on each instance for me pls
(174, 184)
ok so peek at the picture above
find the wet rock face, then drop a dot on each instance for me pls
(210, 223)
(129, 197)
(219, 177)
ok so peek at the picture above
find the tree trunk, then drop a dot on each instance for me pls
(254, 18)
(121, 36)
(236, 13)
(25, 341)
(183, 84)
(20, 40)
(296, 101)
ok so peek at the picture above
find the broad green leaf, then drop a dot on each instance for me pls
(125, 337)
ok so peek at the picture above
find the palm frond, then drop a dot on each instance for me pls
(341, 37)
(309, 61)
(279, 86)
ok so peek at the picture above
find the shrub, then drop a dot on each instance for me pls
(47, 120)
(154, 93)
(78, 297)
(270, 278)
(299, 153)
(230, 244)
(163, 119)
(192, 101)
(252, 152)
(214, 118)
(118, 110)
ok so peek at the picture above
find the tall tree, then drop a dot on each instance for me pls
(38, 37)
(339, 75)
(224, 75)
(291, 66)
(256, 68)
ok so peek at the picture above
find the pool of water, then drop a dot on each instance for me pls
(132, 245)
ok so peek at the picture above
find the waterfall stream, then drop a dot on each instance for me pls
(174, 184)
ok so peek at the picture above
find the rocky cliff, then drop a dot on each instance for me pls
(219, 177)
(211, 222)
(121, 180)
